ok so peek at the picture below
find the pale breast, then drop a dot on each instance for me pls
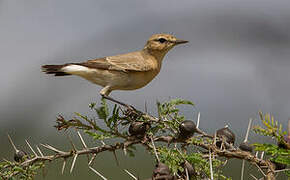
(135, 80)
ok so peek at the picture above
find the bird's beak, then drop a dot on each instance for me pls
(180, 41)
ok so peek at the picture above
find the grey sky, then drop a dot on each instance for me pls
(236, 63)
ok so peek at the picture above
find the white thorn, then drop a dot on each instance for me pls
(243, 168)
(281, 170)
(198, 120)
(154, 148)
(174, 174)
(73, 163)
(63, 166)
(52, 148)
(210, 166)
(39, 151)
(125, 151)
(186, 172)
(214, 140)
(130, 174)
(262, 155)
(92, 159)
(248, 130)
(253, 177)
(99, 174)
(257, 153)
(226, 161)
(260, 170)
(31, 148)
(82, 140)
(14, 147)
(103, 142)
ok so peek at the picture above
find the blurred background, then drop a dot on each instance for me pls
(237, 63)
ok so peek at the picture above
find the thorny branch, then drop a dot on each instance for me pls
(205, 141)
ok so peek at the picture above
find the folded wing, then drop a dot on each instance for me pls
(125, 62)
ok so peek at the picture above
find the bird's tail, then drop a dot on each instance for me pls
(54, 69)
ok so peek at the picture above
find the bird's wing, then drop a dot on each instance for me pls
(125, 62)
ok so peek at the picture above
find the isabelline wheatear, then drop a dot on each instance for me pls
(128, 71)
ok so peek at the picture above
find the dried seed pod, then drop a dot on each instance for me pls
(162, 172)
(138, 128)
(245, 146)
(186, 129)
(161, 169)
(226, 134)
(190, 169)
(19, 155)
(279, 166)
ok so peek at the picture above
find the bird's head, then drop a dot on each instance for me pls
(162, 43)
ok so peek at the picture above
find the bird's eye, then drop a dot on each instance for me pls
(162, 40)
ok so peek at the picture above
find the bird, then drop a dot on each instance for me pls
(128, 71)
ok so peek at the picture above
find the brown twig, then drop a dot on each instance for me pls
(129, 141)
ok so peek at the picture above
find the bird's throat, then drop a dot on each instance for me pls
(157, 54)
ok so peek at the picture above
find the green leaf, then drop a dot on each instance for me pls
(180, 101)
(103, 110)
(98, 136)
(114, 118)
(81, 116)
(92, 105)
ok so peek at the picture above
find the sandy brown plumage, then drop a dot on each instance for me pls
(121, 72)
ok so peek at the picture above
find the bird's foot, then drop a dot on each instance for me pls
(130, 108)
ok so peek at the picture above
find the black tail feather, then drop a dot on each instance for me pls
(54, 69)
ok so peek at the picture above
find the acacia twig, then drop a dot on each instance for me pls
(130, 141)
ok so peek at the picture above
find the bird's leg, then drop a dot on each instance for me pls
(105, 94)
(118, 102)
